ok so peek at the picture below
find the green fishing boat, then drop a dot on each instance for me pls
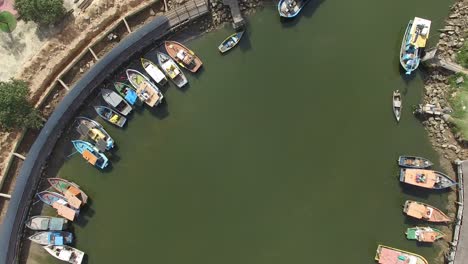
(424, 234)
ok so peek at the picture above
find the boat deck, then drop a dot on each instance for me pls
(417, 39)
(423, 178)
(145, 88)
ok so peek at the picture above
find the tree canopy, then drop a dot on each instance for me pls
(7, 21)
(43, 12)
(15, 109)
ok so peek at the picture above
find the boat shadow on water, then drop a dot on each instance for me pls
(161, 111)
(418, 192)
(308, 10)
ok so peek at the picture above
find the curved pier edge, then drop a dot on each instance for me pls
(458, 253)
(29, 176)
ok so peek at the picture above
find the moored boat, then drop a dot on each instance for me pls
(171, 69)
(425, 212)
(127, 92)
(55, 238)
(290, 8)
(66, 253)
(414, 162)
(397, 105)
(183, 56)
(60, 203)
(424, 234)
(91, 154)
(230, 42)
(96, 132)
(414, 42)
(75, 196)
(110, 115)
(428, 179)
(116, 101)
(147, 91)
(153, 71)
(45, 223)
(389, 255)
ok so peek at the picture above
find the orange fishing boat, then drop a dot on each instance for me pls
(389, 255)
(425, 212)
(426, 178)
(183, 56)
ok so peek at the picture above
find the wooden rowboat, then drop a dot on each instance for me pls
(424, 234)
(389, 255)
(230, 42)
(66, 253)
(70, 190)
(171, 69)
(110, 115)
(428, 179)
(414, 162)
(116, 101)
(60, 203)
(45, 223)
(425, 212)
(290, 8)
(153, 71)
(147, 91)
(94, 131)
(397, 105)
(183, 56)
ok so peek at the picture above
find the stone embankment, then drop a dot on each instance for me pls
(438, 90)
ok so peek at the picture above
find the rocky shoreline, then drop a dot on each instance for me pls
(438, 90)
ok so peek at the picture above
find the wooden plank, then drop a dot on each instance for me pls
(126, 25)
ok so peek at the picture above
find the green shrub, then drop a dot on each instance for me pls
(43, 12)
(462, 55)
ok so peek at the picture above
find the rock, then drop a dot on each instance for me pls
(81, 70)
(459, 80)
(48, 106)
(452, 147)
(444, 145)
(152, 13)
(441, 127)
(55, 96)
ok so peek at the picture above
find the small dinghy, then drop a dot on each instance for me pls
(46, 223)
(110, 115)
(91, 154)
(183, 56)
(171, 69)
(153, 71)
(428, 179)
(424, 234)
(127, 92)
(389, 255)
(414, 162)
(60, 203)
(66, 253)
(93, 130)
(290, 8)
(230, 42)
(116, 101)
(413, 44)
(75, 196)
(147, 91)
(54, 238)
(425, 212)
(397, 105)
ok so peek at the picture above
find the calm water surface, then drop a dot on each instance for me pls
(282, 151)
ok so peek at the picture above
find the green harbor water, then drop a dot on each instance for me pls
(282, 151)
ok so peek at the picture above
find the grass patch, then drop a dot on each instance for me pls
(462, 55)
(7, 22)
(459, 104)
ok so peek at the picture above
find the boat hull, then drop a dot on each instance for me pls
(66, 253)
(153, 71)
(53, 238)
(110, 115)
(389, 255)
(86, 149)
(46, 223)
(90, 124)
(414, 162)
(230, 42)
(290, 12)
(428, 179)
(424, 234)
(170, 68)
(190, 61)
(425, 212)
(128, 93)
(116, 101)
(63, 186)
(147, 91)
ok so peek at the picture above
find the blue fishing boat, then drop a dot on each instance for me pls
(290, 8)
(91, 154)
(60, 203)
(230, 42)
(54, 238)
(413, 44)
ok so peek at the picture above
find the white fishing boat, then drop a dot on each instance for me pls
(171, 69)
(66, 253)
(153, 71)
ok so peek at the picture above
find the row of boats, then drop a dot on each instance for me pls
(67, 199)
(139, 90)
(414, 171)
